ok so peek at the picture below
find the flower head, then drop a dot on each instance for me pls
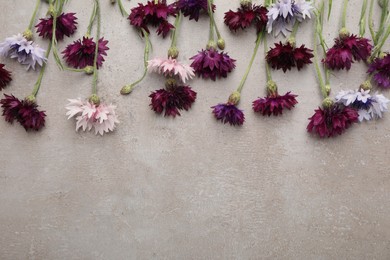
(229, 113)
(380, 68)
(26, 52)
(24, 111)
(274, 104)
(66, 25)
(283, 14)
(212, 64)
(5, 77)
(155, 14)
(332, 121)
(193, 8)
(171, 67)
(172, 99)
(81, 53)
(368, 106)
(101, 117)
(245, 16)
(345, 50)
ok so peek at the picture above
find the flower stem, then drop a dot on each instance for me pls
(371, 22)
(267, 68)
(211, 32)
(384, 18)
(362, 22)
(122, 9)
(32, 20)
(212, 17)
(41, 73)
(344, 17)
(98, 27)
(176, 31)
(92, 19)
(58, 10)
(295, 30)
(380, 44)
(317, 34)
(258, 41)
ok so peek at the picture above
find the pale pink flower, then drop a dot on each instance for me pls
(101, 117)
(171, 67)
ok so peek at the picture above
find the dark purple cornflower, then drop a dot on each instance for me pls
(245, 16)
(5, 77)
(81, 53)
(212, 64)
(229, 113)
(66, 25)
(172, 99)
(274, 104)
(193, 8)
(332, 121)
(153, 14)
(23, 111)
(346, 49)
(286, 56)
(380, 68)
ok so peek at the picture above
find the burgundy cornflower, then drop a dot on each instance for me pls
(228, 113)
(274, 104)
(212, 64)
(5, 77)
(332, 121)
(23, 111)
(246, 15)
(193, 8)
(285, 56)
(81, 53)
(66, 25)
(172, 100)
(380, 67)
(345, 50)
(153, 14)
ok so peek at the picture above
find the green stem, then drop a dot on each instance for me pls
(176, 31)
(58, 10)
(122, 9)
(41, 73)
(371, 22)
(315, 52)
(295, 30)
(344, 17)
(267, 68)
(212, 17)
(380, 44)
(95, 70)
(211, 32)
(258, 41)
(32, 20)
(384, 17)
(362, 22)
(92, 19)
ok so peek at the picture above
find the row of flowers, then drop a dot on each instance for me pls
(280, 17)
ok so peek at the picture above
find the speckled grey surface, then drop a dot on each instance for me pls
(188, 188)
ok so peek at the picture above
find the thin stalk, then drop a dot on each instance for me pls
(295, 30)
(344, 17)
(212, 17)
(122, 9)
(58, 10)
(380, 44)
(362, 22)
(329, 8)
(176, 31)
(92, 19)
(267, 68)
(98, 27)
(41, 73)
(371, 22)
(315, 52)
(384, 17)
(258, 41)
(32, 20)
(211, 32)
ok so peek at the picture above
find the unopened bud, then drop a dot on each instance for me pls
(327, 103)
(28, 34)
(327, 89)
(89, 70)
(94, 99)
(173, 52)
(221, 44)
(234, 98)
(127, 89)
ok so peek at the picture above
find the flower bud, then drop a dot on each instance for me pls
(31, 99)
(327, 89)
(127, 89)
(89, 70)
(327, 103)
(366, 85)
(28, 34)
(344, 33)
(211, 45)
(94, 99)
(221, 44)
(173, 52)
(234, 98)
(272, 88)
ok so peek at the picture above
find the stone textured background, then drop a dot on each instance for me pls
(190, 187)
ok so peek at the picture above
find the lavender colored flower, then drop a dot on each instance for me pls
(193, 8)
(229, 113)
